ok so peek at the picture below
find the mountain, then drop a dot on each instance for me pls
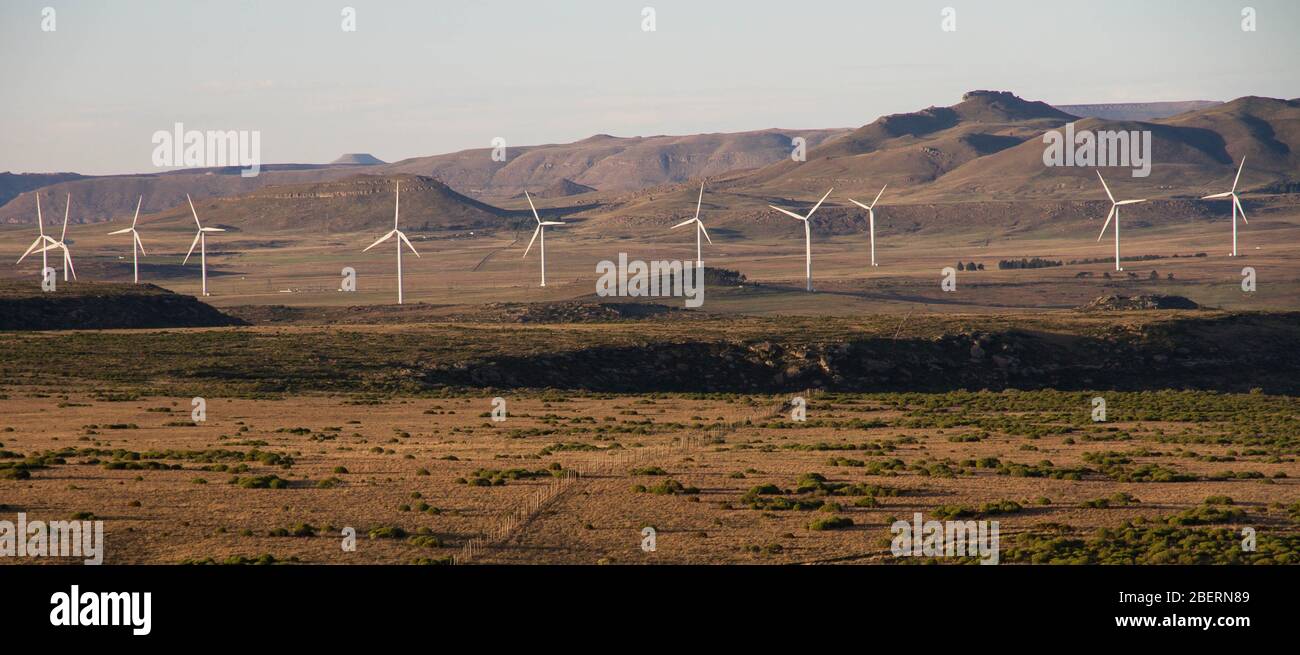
(610, 163)
(1137, 111)
(602, 162)
(911, 149)
(1192, 154)
(14, 184)
(354, 204)
(357, 159)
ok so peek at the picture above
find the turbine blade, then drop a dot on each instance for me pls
(213, 229)
(1130, 202)
(819, 202)
(1225, 194)
(1103, 185)
(882, 192)
(66, 207)
(551, 223)
(1237, 201)
(1107, 223)
(530, 241)
(397, 206)
(788, 213)
(408, 243)
(534, 208)
(1235, 179)
(192, 211)
(121, 231)
(698, 201)
(137, 210)
(685, 222)
(859, 204)
(191, 252)
(138, 242)
(706, 233)
(380, 240)
(40, 222)
(31, 248)
(67, 259)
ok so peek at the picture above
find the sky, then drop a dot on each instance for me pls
(426, 77)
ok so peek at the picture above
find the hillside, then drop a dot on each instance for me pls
(357, 203)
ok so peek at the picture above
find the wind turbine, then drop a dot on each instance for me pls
(401, 238)
(1236, 205)
(699, 227)
(62, 244)
(539, 232)
(137, 246)
(200, 240)
(1114, 212)
(41, 240)
(871, 218)
(807, 234)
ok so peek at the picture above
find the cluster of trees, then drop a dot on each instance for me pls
(1153, 276)
(1036, 262)
(969, 267)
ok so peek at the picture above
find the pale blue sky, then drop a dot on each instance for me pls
(420, 78)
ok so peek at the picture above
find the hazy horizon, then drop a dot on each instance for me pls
(419, 79)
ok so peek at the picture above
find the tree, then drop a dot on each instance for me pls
(961, 266)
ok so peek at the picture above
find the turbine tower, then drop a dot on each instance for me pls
(137, 246)
(699, 227)
(1236, 205)
(871, 219)
(401, 238)
(1114, 213)
(807, 234)
(41, 240)
(540, 231)
(201, 240)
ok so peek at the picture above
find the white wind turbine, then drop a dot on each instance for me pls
(807, 234)
(540, 231)
(1114, 213)
(137, 246)
(871, 219)
(42, 240)
(61, 244)
(699, 227)
(1236, 205)
(200, 240)
(401, 238)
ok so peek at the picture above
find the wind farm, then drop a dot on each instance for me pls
(971, 348)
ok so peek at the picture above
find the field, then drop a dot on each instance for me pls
(419, 476)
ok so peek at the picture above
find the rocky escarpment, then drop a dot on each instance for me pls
(1233, 353)
(91, 306)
